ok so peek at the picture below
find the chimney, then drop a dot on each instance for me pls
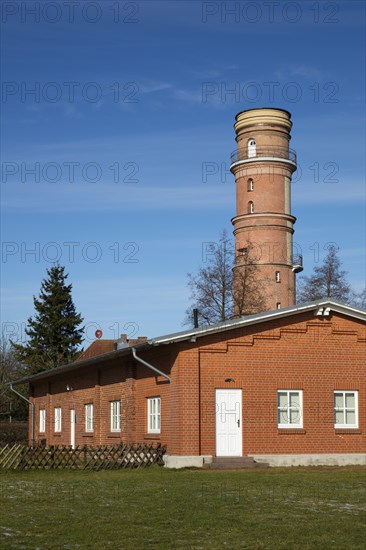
(122, 342)
(195, 318)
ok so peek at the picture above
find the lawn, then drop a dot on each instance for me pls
(188, 509)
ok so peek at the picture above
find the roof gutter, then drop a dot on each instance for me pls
(76, 365)
(148, 365)
(29, 403)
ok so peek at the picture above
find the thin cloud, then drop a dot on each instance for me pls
(192, 96)
(320, 193)
(152, 87)
(306, 71)
(108, 197)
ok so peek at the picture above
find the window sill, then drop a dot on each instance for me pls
(114, 435)
(347, 431)
(88, 434)
(291, 431)
(152, 436)
(56, 434)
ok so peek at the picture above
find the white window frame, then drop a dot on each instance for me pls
(42, 421)
(250, 184)
(290, 425)
(252, 148)
(250, 207)
(58, 419)
(278, 276)
(153, 415)
(115, 416)
(89, 417)
(345, 409)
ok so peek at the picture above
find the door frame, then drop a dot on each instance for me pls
(72, 427)
(240, 432)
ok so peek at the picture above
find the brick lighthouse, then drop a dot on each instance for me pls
(263, 165)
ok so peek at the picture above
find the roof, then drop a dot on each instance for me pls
(262, 109)
(320, 307)
(98, 347)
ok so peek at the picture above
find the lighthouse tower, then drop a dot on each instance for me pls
(263, 226)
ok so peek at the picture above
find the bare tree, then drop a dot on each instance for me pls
(212, 288)
(327, 281)
(10, 370)
(359, 299)
(247, 292)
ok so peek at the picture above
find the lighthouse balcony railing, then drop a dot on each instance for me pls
(297, 265)
(267, 151)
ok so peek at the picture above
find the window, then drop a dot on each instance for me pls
(278, 305)
(289, 408)
(42, 420)
(345, 409)
(250, 185)
(115, 416)
(153, 414)
(252, 146)
(250, 207)
(89, 417)
(57, 419)
(278, 277)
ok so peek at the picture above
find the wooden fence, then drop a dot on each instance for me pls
(23, 457)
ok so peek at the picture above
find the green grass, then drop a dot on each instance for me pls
(188, 509)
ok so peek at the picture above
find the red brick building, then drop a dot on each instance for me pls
(285, 386)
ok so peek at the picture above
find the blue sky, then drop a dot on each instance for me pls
(116, 164)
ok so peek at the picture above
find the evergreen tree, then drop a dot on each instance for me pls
(54, 332)
(327, 281)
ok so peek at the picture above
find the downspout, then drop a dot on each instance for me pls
(199, 406)
(148, 365)
(170, 390)
(29, 403)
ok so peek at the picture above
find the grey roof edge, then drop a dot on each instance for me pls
(69, 367)
(190, 334)
(259, 317)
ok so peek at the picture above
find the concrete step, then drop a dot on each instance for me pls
(234, 463)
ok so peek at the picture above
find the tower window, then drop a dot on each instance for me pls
(278, 277)
(252, 148)
(250, 207)
(250, 185)
(278, 305)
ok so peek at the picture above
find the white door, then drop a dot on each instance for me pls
(252, 148)
(228, 423)
(72, 427)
